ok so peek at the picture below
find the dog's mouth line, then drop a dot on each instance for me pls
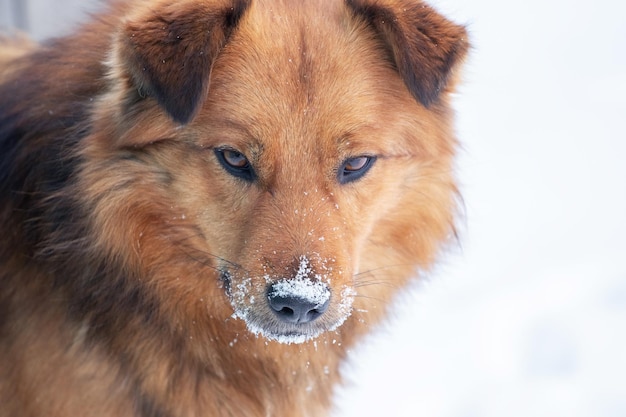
(292, 335)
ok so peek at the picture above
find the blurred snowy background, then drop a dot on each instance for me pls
(528, 317)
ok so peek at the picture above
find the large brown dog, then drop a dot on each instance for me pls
(205, 203)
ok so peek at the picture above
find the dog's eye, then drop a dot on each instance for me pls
(354, 168)
(235, 163)
(235, 159)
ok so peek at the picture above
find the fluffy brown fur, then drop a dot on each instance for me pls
(138, 249)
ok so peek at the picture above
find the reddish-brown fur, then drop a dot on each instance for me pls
(127, 248)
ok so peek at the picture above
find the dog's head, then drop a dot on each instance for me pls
(291, 152)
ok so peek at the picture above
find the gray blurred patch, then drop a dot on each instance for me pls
(45, 18)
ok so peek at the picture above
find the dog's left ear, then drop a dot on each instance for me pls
(425, 46)
(169, 50)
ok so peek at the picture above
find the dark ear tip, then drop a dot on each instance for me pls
(427, 48)
(168, 51)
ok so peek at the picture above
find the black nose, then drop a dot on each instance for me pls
(295, 310)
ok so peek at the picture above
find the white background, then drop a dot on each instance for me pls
(528, 316)
(528, 319)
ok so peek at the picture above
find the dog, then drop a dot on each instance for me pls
(205, 204)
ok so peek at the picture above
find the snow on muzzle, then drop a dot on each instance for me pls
(296, 310)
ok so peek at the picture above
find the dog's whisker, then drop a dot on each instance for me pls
(204, 257)
(381, 268)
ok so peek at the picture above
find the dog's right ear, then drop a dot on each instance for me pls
(168, 50)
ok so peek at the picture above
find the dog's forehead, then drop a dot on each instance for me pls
(301, 46)
(305, 70)
(295, 53)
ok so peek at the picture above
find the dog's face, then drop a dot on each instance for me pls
(281, 161)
